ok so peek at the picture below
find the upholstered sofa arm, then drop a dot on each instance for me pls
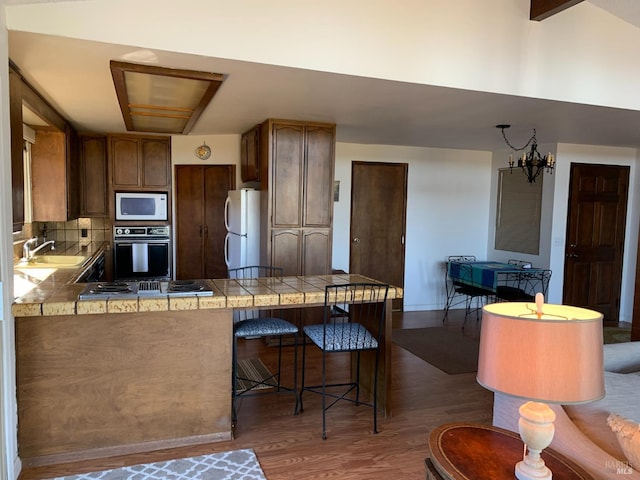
(622, 357)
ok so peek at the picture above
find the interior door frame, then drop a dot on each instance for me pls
(574, 250)
(381, 205)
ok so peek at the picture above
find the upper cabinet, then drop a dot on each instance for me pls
(140, 162)
(297, 161)
(250, 155)
(54, 157)
(93, 176)
(54, 176)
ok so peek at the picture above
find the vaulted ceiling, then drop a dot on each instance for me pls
(72, 76)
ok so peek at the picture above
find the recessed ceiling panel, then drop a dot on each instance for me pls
(162, 100)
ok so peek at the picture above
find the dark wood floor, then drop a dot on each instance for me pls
(291, 447)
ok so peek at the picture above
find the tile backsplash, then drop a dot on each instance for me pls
(81, 230)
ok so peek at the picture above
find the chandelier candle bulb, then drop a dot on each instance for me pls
(531, 162)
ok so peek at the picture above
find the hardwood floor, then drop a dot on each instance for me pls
(291, 447)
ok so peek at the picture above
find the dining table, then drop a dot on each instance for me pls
(485, 275)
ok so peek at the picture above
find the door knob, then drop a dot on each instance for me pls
(356, 240)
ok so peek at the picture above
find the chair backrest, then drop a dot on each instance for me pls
(255, 271)
(461, 258)
(248, 276)
(355, 313)
(523, 285)
(520, 263)
(452, 259)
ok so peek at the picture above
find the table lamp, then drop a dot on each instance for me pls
(541, 353)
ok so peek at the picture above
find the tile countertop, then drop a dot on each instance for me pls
(37, 285)
(62, 299)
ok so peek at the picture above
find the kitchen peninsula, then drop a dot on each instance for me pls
(97, 378)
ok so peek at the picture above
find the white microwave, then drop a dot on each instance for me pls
(141, 206)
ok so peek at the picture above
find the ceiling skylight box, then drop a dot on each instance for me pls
(162, 100)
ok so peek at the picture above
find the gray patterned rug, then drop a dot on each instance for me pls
(234, 465)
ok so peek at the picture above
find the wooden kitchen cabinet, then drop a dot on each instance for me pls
(250, 155)
(93, 176)
(200, 229)
(297, 162)
(140, 162)
(54, 176)
(54, 156)
(301, 250)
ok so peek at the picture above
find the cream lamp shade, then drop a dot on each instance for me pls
(541, 353)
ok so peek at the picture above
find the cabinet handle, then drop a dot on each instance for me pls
(200, 231)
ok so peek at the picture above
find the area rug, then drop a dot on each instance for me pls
(250, 371)
(234, 465)
(449, 350)
(616, 335)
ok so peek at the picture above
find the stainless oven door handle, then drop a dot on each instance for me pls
(140, 257)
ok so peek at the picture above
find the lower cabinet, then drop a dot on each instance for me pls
(301, 251)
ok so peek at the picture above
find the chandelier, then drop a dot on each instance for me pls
(531, 162)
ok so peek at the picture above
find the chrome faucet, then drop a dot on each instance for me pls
(28, 254)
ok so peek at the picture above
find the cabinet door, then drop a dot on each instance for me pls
(156, 163)
(218, 180)
(318, 176)
(73, 173)
(249, 155)
(17, 142)
(316, 252)
(93, 176)
(285, 250)
(125, 162)
(49, 177)
(189, 209)
(286, 175)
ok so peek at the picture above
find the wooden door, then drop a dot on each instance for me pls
(378, 221)
(189, 212)
(200, 230)
(218, 180)
(595, 238)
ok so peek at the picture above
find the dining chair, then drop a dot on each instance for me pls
(522, 286)
(519, 263)
(262, 324)
(454, 289)
(353, 322)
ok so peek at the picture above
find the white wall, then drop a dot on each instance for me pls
(582, 55)
(567, 154)
(225, 150)
(9, 462)
(500, 161)
(555, 209)
(447, 212)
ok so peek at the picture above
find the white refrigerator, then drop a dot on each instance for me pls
(242, 219)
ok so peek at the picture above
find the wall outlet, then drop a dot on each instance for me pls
(84, 233)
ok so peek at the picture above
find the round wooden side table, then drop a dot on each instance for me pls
(466, 451)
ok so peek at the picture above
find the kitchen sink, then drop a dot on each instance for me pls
(53, 261)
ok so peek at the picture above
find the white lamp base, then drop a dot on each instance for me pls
(536, 430)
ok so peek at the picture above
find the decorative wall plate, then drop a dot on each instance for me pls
(203, 152)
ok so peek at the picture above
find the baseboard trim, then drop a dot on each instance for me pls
(106, 452)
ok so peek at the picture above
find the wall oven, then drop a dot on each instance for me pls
(142, 253)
